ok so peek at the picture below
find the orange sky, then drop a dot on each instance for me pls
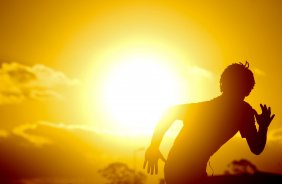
(56, 55)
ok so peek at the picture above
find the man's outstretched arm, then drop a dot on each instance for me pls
(153, 153)
(257, 140)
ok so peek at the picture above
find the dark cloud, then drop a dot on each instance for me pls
(50, 150)
(19, 82)
(19, 73)
(33, 151)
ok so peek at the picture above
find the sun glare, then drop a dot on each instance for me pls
(136, 91)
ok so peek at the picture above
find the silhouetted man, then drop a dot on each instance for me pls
(207, 126)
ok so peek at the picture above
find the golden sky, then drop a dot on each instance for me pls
(66, 90)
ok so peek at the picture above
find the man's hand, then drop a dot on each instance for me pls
(264, 119)
(152, 157)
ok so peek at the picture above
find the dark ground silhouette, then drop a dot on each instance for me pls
(257, 178)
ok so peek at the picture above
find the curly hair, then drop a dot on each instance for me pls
(237, 78)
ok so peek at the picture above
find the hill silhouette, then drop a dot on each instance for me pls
(256, 178)
(244, 172)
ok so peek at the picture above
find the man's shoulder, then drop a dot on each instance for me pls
(191, 104)
(247, 112)
(246, 105)
(190, 107)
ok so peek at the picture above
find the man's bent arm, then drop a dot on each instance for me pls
(153, 154)
(257, 140)
(166, 121)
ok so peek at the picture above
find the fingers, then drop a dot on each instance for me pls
(151, 167)
(145, 163)
(156, 168)
(265, 109)
(261, 106)
(151, 162)
(271, 118)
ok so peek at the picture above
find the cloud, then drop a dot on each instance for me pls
(19, 82)
(199, 72)
(45, 133)
(37, 135)
(259, 72)
(68, 126)
(198, 81)
(275, 135)
(3, 134)
(80, 127)
(22, 131)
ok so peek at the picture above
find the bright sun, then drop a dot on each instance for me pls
(137, 90)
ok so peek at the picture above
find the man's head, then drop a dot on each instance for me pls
(237, 80)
